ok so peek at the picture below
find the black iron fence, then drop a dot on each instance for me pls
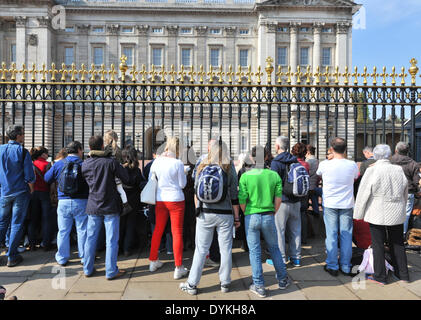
(243, 108)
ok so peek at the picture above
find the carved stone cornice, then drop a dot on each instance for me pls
(201, 30)
(172, 30)
(83, 28)
(142, 29)
(20, 22)
(113, 28)
(230, 31)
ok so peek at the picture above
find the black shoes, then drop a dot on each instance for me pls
(333, 273)
(349, 274)
(14, 263)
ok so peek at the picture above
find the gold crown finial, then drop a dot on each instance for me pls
(413, 70)
(123, 67)
(269, 69)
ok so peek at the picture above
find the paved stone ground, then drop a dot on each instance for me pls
(37, 278)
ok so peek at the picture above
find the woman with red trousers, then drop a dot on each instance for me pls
(170, 203)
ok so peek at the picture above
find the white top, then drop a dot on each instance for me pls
(171, 178)
(338, 177)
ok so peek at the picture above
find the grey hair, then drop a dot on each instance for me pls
(282, 142)
(382, 151)
(368, 149)
(402, 148)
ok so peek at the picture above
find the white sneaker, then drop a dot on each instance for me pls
(180, 272)
(155, 265)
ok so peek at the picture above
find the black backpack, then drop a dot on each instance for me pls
(68, 181)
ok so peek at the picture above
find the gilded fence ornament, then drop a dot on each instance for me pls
(112, 73)
(249, 74)
(24, 72)
(384, 75)
(43, 72)
(144, 73)
(181, 73)
(123, 67)
(413, 70)
(73, 72)
(134, 73)
(239, 74)
(230, 74)
(192, 74)
(259, 75)
(356, 75)
(172, 73)
(403, 75)
(279, 75)
(33, 72)
(93, 73)
(102, 72)
(393, 75)
(3, 71)
(336, 74)
(326, 74)
(201, 74)
(163, 74)
(365, 75)
(269, 69)
(220, 74)
(298, 74)
(317, 75)
(13, 71)
(83, 72)
(308, 75)
(374, 75)
(346, 75)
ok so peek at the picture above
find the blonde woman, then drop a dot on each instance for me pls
(217, 215)
(169, 171)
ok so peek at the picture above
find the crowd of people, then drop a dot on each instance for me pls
(205, 204)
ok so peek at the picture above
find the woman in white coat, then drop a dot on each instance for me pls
(381, 201)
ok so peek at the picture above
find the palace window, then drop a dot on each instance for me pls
(327, 30)
(244, 31)
(215, 31)
(13, 53)
(244, 57)
(70, 29)
(98, 56)
(69, 55)
(127, 29)
(326, 56)
(304, 29)
(186, 56)
(186, 31)
(128, 52)
(98, 29)
(214, 58)
(282, 29)
(157, 56)
(157, 30)
(304, 54)
(282, 56)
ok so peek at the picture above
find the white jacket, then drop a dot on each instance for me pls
(382, 195)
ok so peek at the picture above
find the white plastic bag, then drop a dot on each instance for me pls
(148, 194)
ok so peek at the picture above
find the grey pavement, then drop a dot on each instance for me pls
(40, 278)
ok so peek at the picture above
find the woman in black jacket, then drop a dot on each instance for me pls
(130, 222)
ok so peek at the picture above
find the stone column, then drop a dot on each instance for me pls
(231, 49)
(82, 47)
(270, 43)
(317, 46)
(341, 46)
(142, 56)
(44, 42)
(2, 43)
(21, 51)
(294, 46)
(112, 41)
(201, 32)
(262, 39)
(172, 52)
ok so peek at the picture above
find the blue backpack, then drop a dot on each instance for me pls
(296, 181)
(211, 184)
(68, 181)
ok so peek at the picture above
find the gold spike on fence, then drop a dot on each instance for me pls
(268, 75)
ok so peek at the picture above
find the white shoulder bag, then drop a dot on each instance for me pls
(148, 194)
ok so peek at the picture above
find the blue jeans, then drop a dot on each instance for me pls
(67, 211)
(338, 220)
(40, 216)
(13, 212)
(205, 228)
(112, 225)
(265, 224)
(409, 207)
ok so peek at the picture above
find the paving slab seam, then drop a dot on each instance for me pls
(8, 295)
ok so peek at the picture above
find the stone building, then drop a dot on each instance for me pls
(316, 33)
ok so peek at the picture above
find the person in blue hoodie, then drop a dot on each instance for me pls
(288, 217)
(70, 208)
